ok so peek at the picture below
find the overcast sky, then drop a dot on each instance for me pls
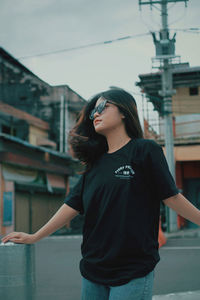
(32, 27)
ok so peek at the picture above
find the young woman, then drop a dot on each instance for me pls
(125, 179)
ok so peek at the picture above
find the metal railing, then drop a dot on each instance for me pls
(155, 128)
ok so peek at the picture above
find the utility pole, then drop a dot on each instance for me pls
(165, 53)
(66, 126)
(62, 123)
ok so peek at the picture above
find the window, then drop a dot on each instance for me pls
(193, 91)
(23, 98)
(8, 130)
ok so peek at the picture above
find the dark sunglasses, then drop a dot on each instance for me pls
(99, 108)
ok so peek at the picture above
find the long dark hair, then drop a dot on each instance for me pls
(86, 144)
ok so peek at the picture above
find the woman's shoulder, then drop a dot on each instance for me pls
(144, 147)
(147, 143)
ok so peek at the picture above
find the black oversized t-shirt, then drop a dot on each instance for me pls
(120, 198)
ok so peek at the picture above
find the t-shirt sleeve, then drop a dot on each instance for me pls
(74, 198)
(160, 175)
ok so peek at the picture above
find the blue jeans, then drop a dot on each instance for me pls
(136, 289)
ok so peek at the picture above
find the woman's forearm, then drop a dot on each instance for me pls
(61, 218)
(184, 208)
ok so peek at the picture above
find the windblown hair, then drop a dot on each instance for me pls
(86, 144)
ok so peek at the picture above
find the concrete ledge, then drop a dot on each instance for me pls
(184, 233)
(194, 295)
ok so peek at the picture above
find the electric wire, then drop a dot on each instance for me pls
(156, 7)
(146, 24)
(158, 24)
(185, 30)
(85, 46)
(182, 17)
(195, 30)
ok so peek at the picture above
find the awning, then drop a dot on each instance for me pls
(187, 153)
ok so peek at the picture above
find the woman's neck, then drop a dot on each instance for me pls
(116, 141)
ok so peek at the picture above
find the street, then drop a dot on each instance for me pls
(58, 277)
(179, 268)
(57, 268)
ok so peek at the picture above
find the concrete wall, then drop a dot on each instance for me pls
(35, 133)
(184, 103)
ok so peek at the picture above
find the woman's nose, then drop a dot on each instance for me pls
(96, 114)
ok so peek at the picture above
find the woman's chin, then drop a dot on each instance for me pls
(99, 130)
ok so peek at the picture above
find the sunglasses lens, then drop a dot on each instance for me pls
(98, 109)
(101, 107)
(92, 114)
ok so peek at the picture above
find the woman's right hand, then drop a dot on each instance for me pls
(19, 238)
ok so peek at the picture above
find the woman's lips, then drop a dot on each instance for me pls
(97, 122)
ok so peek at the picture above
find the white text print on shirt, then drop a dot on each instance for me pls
(124, 172)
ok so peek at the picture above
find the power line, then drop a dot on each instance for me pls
(86, 46)
(186, 30)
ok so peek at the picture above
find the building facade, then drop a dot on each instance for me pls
(22, 89)
(33, 184)
(35, 166)
(186, 127)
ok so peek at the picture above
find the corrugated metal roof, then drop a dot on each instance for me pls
(22, 115)
(174, 71)
(42, 149)
(16, 62)
(186, 70)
